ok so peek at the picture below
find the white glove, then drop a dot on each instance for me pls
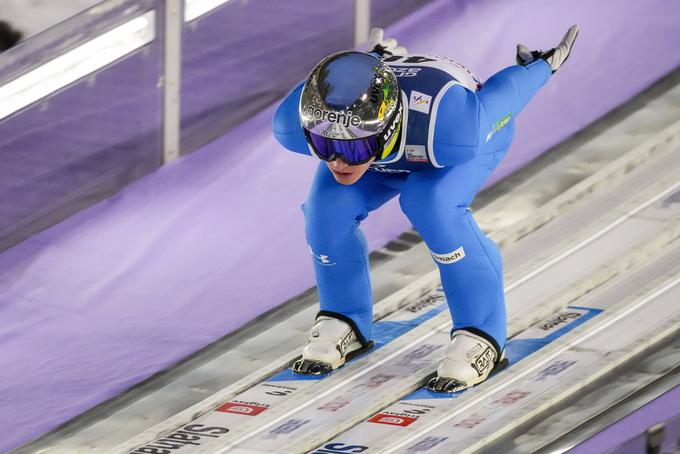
(555, 56)
(384, 47)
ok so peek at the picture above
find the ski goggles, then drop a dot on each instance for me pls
(356, 151)
(352, 151)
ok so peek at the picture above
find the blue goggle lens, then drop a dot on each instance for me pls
(353, 152)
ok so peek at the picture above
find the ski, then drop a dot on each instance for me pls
(295, 433)
(537, 378)
(231, 418)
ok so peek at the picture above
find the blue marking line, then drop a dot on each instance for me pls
(384, 332)
(516, 350)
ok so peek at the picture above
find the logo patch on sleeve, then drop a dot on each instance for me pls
(321, 259)
(500, 124)
(451, 257)
(420, 102)
(416, 153)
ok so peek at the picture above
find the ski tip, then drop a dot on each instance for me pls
(446, 385)
(502, 364)
(308, 367)
(451, 385)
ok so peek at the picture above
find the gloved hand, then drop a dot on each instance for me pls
(555, 56)
(384, 47)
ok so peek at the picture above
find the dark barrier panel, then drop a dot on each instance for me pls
(244, 55)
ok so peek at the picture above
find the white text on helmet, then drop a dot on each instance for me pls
(343, 118)
(393, 126)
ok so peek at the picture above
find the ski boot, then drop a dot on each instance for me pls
(332, 343)
(469, 360)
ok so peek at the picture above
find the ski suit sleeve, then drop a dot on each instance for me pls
(466, 120)
(286, 123)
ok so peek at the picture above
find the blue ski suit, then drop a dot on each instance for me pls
(455, 131)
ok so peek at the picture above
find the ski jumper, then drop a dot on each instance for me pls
(455, 131)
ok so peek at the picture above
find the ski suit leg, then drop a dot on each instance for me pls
(469, 262)
(333, 213)
(437, 204)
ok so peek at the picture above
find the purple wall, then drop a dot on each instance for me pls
(626, 436)
(129, 286)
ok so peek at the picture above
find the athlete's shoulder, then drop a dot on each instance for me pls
(456, 128)
(457, 121)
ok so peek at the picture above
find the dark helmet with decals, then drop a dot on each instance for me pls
(351, 108)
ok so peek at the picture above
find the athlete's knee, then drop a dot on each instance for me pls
(330, 218)
(325, 228)
(409, 204)
(425, 207)
(414, 202)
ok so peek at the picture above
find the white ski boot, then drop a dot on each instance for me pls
(332, 342)
(469, 360)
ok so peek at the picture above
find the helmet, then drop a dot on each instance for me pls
(351, 108)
